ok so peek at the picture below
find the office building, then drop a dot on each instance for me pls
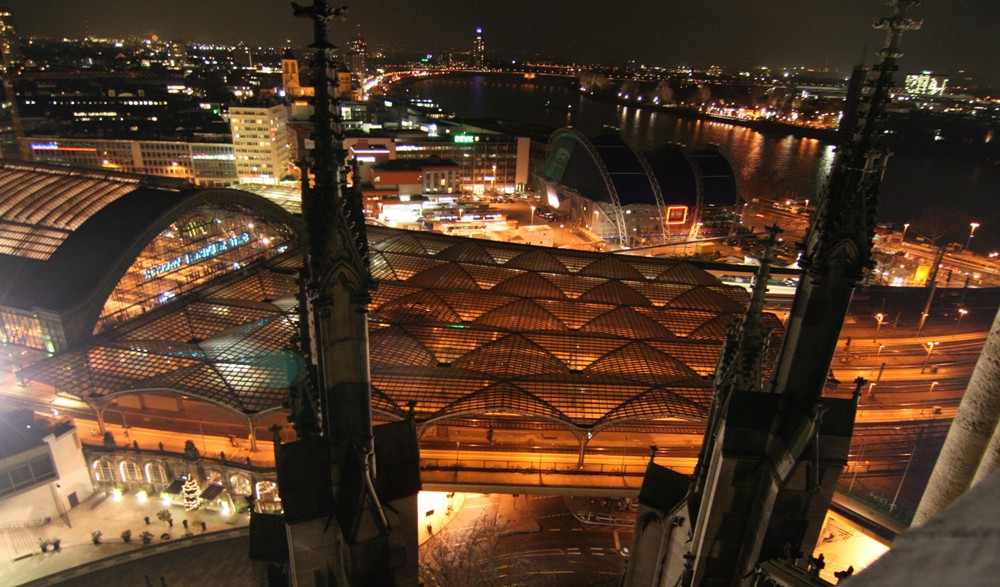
(209, 165)
(479, 50)
(261, 143)
(357, 58)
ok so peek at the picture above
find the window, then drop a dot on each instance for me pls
(267, 491)
(130, 472)
(240, 485)
(213, 477)
(103, 471)
(156, 475)
(267, 497)
(27, 474)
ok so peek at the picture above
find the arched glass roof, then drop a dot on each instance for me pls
(227, 344)
(579, 163)
(460, 326)
(585, 339)
(42, 205)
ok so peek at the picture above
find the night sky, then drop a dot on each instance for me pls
(957, 34)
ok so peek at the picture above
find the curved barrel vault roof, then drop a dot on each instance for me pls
(67, 235)
(604, 168)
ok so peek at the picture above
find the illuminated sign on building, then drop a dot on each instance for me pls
(208, 251)
(465, 138)
(215, 156)
(925, 84)
(56, 147)
(677, 214)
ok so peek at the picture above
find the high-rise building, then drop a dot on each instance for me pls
(479, 50)
(176, 55)
(260, 143)
(357, 57)
(10, 44)
(10, 56)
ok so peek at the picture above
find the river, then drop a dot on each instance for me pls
(923, 175)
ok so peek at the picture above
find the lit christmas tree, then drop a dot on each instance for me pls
(190, 491)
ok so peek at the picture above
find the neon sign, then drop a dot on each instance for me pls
(56, 147)
(206, 252)
(465, 138)
(677, 214)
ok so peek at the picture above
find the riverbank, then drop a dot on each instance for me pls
(766, 127)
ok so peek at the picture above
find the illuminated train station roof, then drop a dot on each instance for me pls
(460, 326)
(227, 344)
(466, 327)
(84, 250)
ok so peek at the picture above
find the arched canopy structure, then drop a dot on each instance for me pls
(637, 193)
(219, 346)
(604, 168)
(82, 251)
(467, 327)
(460, 326)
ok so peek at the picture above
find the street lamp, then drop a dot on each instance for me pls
(934, 384)
(972, 232)
(624, 446)
(961, 314)
(881, 318)
(879, 352)
(532, 215)
(857, 462)
(930, 349)
(905, 228)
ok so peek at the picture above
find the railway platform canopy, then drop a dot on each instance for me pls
(458, 328)
(84, 251)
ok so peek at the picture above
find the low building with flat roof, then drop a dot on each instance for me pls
(42, 471)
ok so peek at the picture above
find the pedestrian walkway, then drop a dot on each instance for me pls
(111, 517)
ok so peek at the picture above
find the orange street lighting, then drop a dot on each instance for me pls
(930, 349)
(881, 318)
(961, 314)
(972, 232)
(532, 215)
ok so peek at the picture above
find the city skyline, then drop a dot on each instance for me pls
(734, 34)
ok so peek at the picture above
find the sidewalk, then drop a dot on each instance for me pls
(602, 512)
(437, 511)
(111, 517)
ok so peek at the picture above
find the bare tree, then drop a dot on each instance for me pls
(938, 222)
(472, 557)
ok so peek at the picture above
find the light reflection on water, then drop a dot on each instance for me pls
(919, 177)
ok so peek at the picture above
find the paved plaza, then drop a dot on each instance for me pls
(174, 559)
